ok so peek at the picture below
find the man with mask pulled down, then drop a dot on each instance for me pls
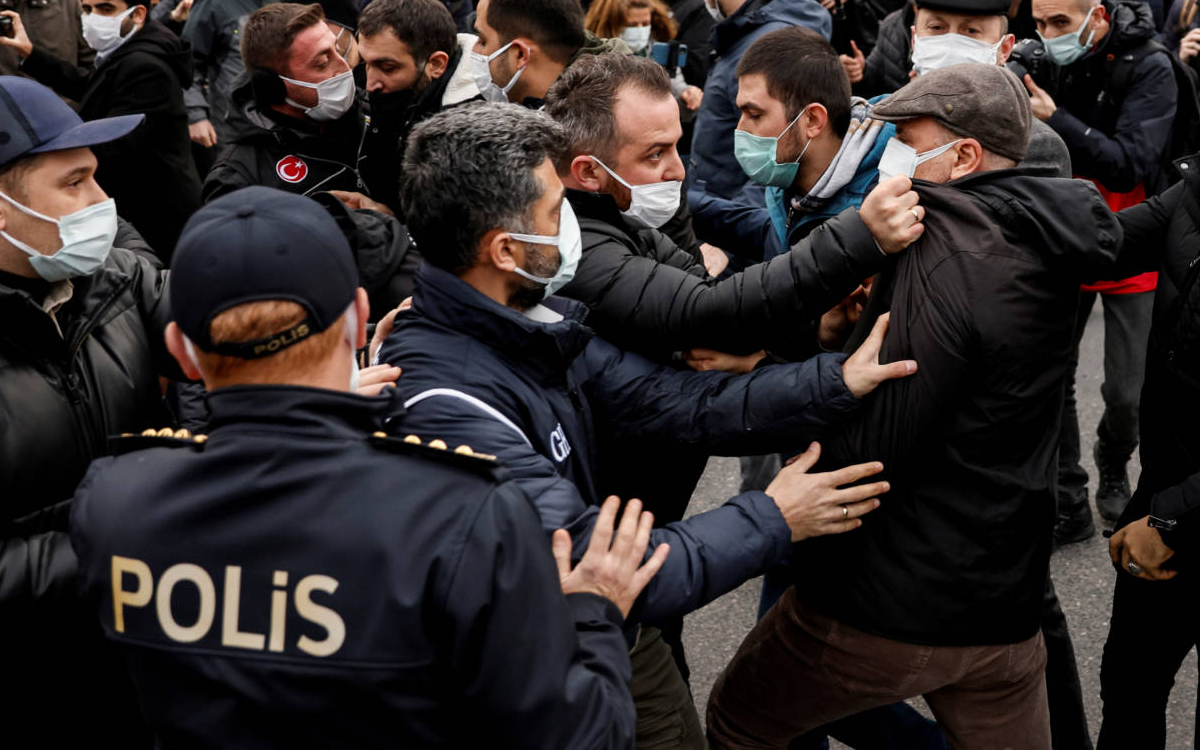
(940, 593)
(81, 351)
(416, 65)
(141, 68)
(299, 124)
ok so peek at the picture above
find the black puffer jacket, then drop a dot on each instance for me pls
(1163, 234)
(888, 64)
(386, 256)
(150, 173)
(651, 297)
(61, 397)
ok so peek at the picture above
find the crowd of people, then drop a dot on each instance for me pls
(359, 360)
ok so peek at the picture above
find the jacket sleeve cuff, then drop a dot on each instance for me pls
(775, 528)
(1070, 128)
(858, 242)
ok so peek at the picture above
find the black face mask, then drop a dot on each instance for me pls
(391, 104)
(396, 103)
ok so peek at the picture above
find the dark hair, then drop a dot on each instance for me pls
(801, 68)
(555, 25)
(425, 26)
(468, 170)
(582, 100)
(270, 31)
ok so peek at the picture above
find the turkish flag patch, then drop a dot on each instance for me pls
(291, 169)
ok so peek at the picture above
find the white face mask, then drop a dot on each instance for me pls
(481, 69)
(570, 248)
(943, 50)
(351, 337)
(901, 158)
(714, 9)
(335, 96)
(654, 203)
(86, 235)
(637, 37)
(103, 33)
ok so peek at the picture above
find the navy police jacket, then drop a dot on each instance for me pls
(530, 387)
(294, 581)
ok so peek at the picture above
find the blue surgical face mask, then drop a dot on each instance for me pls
(570, 248)
(757, 154)
(1066, 49)
(86, 236)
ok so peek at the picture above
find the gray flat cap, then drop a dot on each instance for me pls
(984, 102)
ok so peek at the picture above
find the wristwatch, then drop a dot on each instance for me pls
(1166, 528)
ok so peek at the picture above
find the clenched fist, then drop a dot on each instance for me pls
(892, 213)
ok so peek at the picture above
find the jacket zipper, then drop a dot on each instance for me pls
(75, 382)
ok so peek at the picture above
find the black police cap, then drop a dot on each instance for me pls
(258, 244)
(968, 7)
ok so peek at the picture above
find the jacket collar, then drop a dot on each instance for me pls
(299, 410)
(546, 348)
(461, 84)
(599, 207)
(26, 323)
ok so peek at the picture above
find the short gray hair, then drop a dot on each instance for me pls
(469, 170)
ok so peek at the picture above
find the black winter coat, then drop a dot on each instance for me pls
(299, 156)
(958, 553)
(385, 255)
(695, 30)
(887, 66)
(62, 397)
(419, 589)
(1163, 234)
(1117, 137)
(649, 296)
(528, 388)
(150, 173)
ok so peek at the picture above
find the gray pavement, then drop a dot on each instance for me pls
(1082, 574)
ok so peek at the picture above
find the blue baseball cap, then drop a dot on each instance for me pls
(258, 244)
(33, 120)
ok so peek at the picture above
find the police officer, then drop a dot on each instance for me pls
(297, 579)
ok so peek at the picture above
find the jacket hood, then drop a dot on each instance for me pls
(595, 45)
(1132, 24)
(158, 40)
(1065, 221)
(758, 13)
(461, 87)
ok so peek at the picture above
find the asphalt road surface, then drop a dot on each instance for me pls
(1083, 577)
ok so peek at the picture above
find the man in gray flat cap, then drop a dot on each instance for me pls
(939, 593)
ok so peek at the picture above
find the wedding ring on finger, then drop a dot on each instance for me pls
(1135, 568)
(916, 215)
(845, 512)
